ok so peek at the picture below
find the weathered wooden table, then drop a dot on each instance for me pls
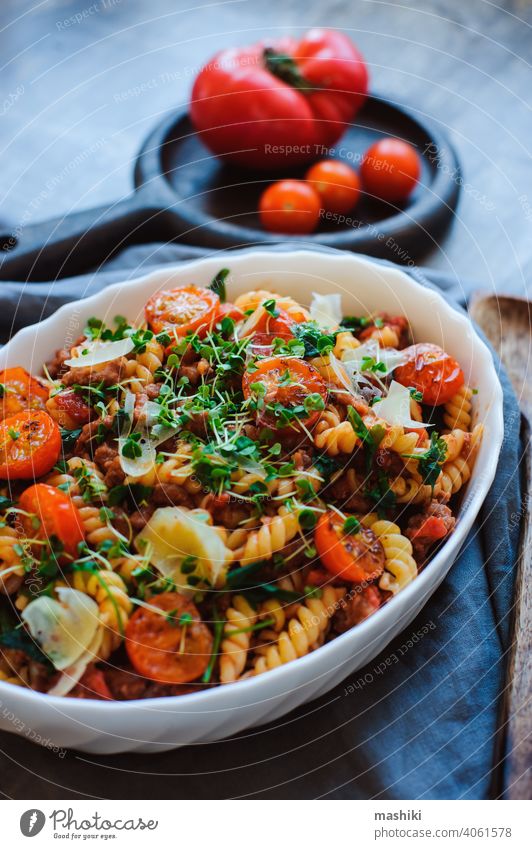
(84, 82)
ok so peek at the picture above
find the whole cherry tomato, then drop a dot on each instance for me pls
(20, 391)
(290, 206)
(390, 170)
(172, 646)
(182, 310)
(336, 183)
(57, 515)
(268, 106)
(353, 556)
(288, 393)
(30, 444)
(432, 372)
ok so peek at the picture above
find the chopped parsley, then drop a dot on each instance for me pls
(370, 437)
(316, 343)
(430, 463)
(381, 494)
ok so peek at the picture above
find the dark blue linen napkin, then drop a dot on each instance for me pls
(421, 721)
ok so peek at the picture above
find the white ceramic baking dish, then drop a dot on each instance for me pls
(159, 724)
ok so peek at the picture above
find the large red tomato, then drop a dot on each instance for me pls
(270, 107)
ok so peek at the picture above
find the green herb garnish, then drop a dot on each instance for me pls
(218, 284)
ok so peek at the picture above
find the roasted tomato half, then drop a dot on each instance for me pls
(286, 393)
(355, 556)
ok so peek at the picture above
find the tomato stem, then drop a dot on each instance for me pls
(284, 67)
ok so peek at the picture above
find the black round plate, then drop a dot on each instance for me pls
(216, 204)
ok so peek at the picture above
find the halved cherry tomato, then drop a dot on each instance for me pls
(336, 183)
(290, 206)
(182, 310)
(20, 391)
(174, 646)
(72, 408)
(431, 371)
(30, 444)
(281, 386)
(58, 516)
(356, 557)
(390, 170)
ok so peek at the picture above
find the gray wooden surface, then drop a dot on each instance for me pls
(78, 95)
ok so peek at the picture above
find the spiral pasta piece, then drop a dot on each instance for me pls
(110, 594)
(11, 566)
(274, 534)
(97, 528)
(235, 645)
(457, 411)
(345, 341)
(140, 369)
(397, 440)
(400, 566)
(175, 469)
(303, 634)
(453, 476)
(273, 609)
(125, 566)
(279, 488)
(252, 300)
(410, 490)
(334, 376)
(329, 417)
(339, 439)
(456, 441)
(386, 336)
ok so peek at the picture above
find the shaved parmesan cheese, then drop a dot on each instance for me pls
(395, 408)
(340, 373)
(353, 357)
(96, 353)
(326, 310)
(129, 407)
(158, 432)
(135, 467)
(174, 534)
(64, 629)
(72, 674)
(251, 324)
(151, 435)
(151, 412)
